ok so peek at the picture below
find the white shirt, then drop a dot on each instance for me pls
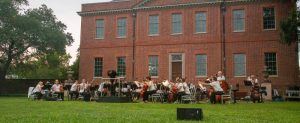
(38, 88)
(74, 87)
(101, 87)
(180, 87)
(216, 85)
(186, 88)
(55, 88)
(220, 78)
(82, 85)
(152, 86)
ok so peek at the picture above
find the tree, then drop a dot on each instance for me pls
(50, 66)
(290, 25)
(25, 35)
(75, 66)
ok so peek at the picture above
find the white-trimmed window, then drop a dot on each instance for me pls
(238, 20)
(200, 22)
(153, 65)
(176, 23)
(153, 25)
(122, 27)
(201, 65)
(99, 29)
(98, 65)
(239, 65)
(271, 63)
(269, 18)
(121, 66)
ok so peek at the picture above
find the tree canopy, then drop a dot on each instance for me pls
(27, 34)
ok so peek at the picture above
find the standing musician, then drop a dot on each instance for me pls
(255, 90)
(57, 88)
(75, 90)
(217, 90)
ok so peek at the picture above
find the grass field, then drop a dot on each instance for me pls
(15, 109)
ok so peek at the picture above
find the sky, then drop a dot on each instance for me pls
(65, 11)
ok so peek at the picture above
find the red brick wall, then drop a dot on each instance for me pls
(254, 42)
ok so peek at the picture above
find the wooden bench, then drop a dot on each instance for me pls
(292, 94)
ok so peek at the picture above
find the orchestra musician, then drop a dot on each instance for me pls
(57, 88)
(180, 89)
(75, 89)
(38, 90)
(255, 90)
(150, 90)
(220, 76)
(217, 90)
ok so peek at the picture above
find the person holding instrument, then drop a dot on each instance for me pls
(57, 89)
(217, 90)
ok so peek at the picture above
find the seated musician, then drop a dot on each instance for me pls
(255, 90)
(151, 89)
(186, 86)
(217, 90)
(136, 90)
(75, 90)
(38, 90)
(180, 88)
(82, 87)
(57, 89)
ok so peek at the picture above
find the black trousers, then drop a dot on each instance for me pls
(147, 93)
(213, 96)
(39, 95)
(179, 95)
(76, 93)
(60, 95)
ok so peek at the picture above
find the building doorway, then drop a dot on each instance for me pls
(176, 65)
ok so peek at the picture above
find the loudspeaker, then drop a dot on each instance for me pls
(189, 114)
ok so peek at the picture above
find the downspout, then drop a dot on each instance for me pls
(223, 51)
(133, 43)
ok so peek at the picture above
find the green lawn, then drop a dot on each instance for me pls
(13, 109)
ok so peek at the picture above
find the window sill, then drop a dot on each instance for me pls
(154, 77)
(200, 33)
(176, 34)
(273, 76)
(239, 31)
(97, 77)
(201, 76)
(99, 38)
(153, 35)
(121, 37)
(270, 29)
(240, 76)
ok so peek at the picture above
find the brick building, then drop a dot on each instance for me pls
(189, 38)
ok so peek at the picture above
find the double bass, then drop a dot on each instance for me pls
(144, 89)
(171, 96)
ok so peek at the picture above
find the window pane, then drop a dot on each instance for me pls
(100, 28)
(153, 25)
(201, 22)
(238, 20)
(269, 18)
(271, 63)
(98, 67)
(239, 65)
(201, 65)
(153, 65)
(121, 67)
(176, 23)
(122, 27)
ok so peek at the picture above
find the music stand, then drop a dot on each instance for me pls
(247, 83)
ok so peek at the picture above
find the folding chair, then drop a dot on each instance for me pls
(31, 94)
(227, 95)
